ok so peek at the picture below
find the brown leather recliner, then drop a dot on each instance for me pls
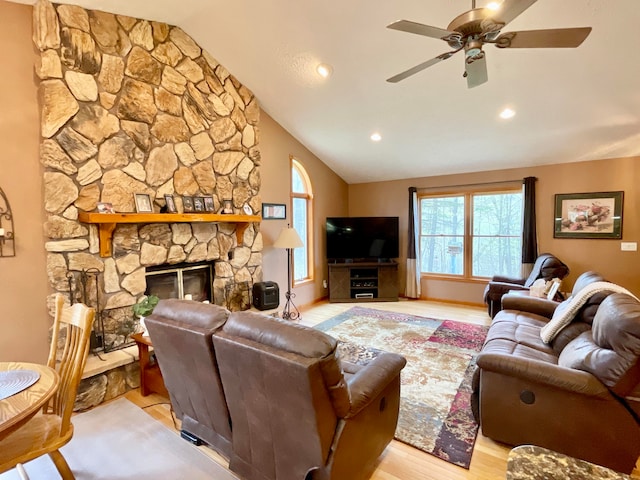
(295, 415)
(546, 266)
(578, 395)
(181, 331)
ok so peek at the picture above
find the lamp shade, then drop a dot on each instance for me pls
(288, 238)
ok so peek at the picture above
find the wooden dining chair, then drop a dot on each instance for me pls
(50, 429)
(22, 472)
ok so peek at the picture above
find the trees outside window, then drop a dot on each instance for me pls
(472, 234)
(301, 215)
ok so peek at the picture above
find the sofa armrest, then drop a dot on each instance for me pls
(495, 290)
(536, 305)
(544, 373)
(505, 279)
(367, 383)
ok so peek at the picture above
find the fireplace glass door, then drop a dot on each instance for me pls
(191, 282)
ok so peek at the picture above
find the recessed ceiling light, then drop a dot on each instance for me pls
(493, 6)
(376, 137)
(324, 70)
(507, 113)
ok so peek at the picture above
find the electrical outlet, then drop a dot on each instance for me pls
(629, 246)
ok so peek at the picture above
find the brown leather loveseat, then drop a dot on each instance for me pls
(276, 391)
(579, 394)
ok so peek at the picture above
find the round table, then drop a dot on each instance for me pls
(19, 408)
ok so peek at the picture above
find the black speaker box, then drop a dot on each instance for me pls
(266, 295)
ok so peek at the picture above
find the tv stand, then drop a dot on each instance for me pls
(363, 282)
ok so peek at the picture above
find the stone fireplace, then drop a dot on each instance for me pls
(133, 106)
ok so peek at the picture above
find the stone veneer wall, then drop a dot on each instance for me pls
(132, 106)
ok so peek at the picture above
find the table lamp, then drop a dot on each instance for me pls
(289, 239)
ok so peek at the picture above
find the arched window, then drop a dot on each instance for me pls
(301, 208)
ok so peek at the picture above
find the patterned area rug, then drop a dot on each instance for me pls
(435, 410)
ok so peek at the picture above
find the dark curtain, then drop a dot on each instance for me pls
(529, 234)
(412, 289)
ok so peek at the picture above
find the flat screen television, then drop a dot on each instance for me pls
(362, 238)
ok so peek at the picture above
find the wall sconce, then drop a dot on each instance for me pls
(7, 243)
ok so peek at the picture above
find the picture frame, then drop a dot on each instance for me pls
(588, 215)
(105, 207)
(274, 211)
(209, 205)
(198, 204)
(187, 204)
(227, 206)
(170, 203)
(143, 203)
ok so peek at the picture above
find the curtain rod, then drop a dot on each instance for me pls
(471, 184)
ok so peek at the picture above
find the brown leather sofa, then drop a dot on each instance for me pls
(276, 391)
(546, 266)
(578, 395)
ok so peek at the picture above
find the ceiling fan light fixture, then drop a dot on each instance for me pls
(324, 70)
(507, 113)
(493, 6)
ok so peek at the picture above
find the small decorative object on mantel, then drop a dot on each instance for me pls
(7, 237)
(208, 204)
(198, 204)
(170, 204)
(588, 215)
(247, 209)
(104, 207)
(274, 211)
(143, 203)
(187, 204)
(227, 206)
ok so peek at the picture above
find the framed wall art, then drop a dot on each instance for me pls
(588, 215)
(274, 211)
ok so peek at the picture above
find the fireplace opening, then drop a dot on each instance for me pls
(190, 281)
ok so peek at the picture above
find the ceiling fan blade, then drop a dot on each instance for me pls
(510, 9)
(419, 29)
(476, 72)
(554, 38)
(419, 68)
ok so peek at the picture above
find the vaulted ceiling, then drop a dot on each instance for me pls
(571, 104)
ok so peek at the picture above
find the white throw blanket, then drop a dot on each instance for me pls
(565, 312)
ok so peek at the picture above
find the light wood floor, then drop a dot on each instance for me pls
(399, 461)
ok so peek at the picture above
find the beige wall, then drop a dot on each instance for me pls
(23, 282)
(330, 199)
(391, 198)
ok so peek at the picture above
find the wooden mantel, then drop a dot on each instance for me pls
(107, 222)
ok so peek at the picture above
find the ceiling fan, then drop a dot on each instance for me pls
(479, 26)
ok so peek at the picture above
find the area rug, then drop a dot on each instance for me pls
(435, 410)
(119, 441)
